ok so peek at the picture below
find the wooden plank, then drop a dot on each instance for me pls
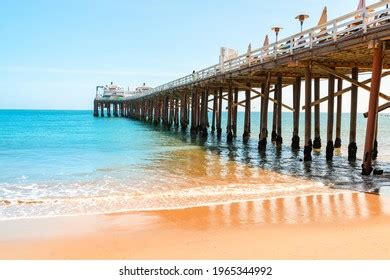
(260, 94)
(352, 81)
(380, 109)
(348, 89)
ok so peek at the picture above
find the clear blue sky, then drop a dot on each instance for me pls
(54, 53)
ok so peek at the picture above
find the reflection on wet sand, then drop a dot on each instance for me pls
(191, 168)
(318, 208)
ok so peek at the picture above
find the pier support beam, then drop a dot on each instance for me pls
(215, 108)
(234, 115)
(108, 105)
(101, 109)
(279, 138)
(198, 109)
(219, 114)
(204, 113)
(165, 109)
(171, 111)
(95, 108)
(296, 102)
(121, 109)
(230, 113)
(115, 109)
(150, 111)
(274, 117)
(372, 108)
(337, 142)
(176, 113)
(188, 116)
(193, 111)
(329, 144)
(317, 115)
(264, 114)
(130, 110)
(308, 142)
(352, 147)
(247, 118)
(183, 112)
(156, 118)
(375, 149)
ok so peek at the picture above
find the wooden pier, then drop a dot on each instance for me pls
(337, 51)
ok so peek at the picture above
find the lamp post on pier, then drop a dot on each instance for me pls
(302, 18)
(276, 29)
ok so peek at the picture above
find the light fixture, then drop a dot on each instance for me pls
(302, 18)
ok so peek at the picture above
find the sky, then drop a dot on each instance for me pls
(54, 53)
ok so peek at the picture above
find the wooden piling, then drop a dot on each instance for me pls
(202, 109)
(235, 110)
(279, 138)
(375, 148)
(140, 110)
(188, 110)
(352, 147)
(337, 142)
(329, 144)
(230, 113)
(274, 117)
(102, 109)
(204, 113)
(146, 110)
(193, 111)
(317, 116)
(150, 111)
(115, 109)
(165, 109)
(183, 112)
(296, 103)
(95, 108)
(176, 113)
(372, 108)
(261, 105)
(171, 110)
(308, 142)
(121, 111)
(264, 114)
(198, 109)
(215, 108)
(108, 105)
(247, 117)
(155, 109)
(219, 114)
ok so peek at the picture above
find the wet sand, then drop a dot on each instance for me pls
(323, 226)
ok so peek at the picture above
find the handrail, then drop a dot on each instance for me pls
(364, 19)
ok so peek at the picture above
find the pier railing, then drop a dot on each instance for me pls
(362, 20)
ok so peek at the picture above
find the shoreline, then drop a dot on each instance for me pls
(211, 204)
(326, 226)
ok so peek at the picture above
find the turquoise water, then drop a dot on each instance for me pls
(69, 163)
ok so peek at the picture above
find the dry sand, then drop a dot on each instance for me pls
(328, 226)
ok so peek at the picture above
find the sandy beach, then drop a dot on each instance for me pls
(346, 225)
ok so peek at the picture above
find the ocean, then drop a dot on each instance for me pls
(57, 163)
